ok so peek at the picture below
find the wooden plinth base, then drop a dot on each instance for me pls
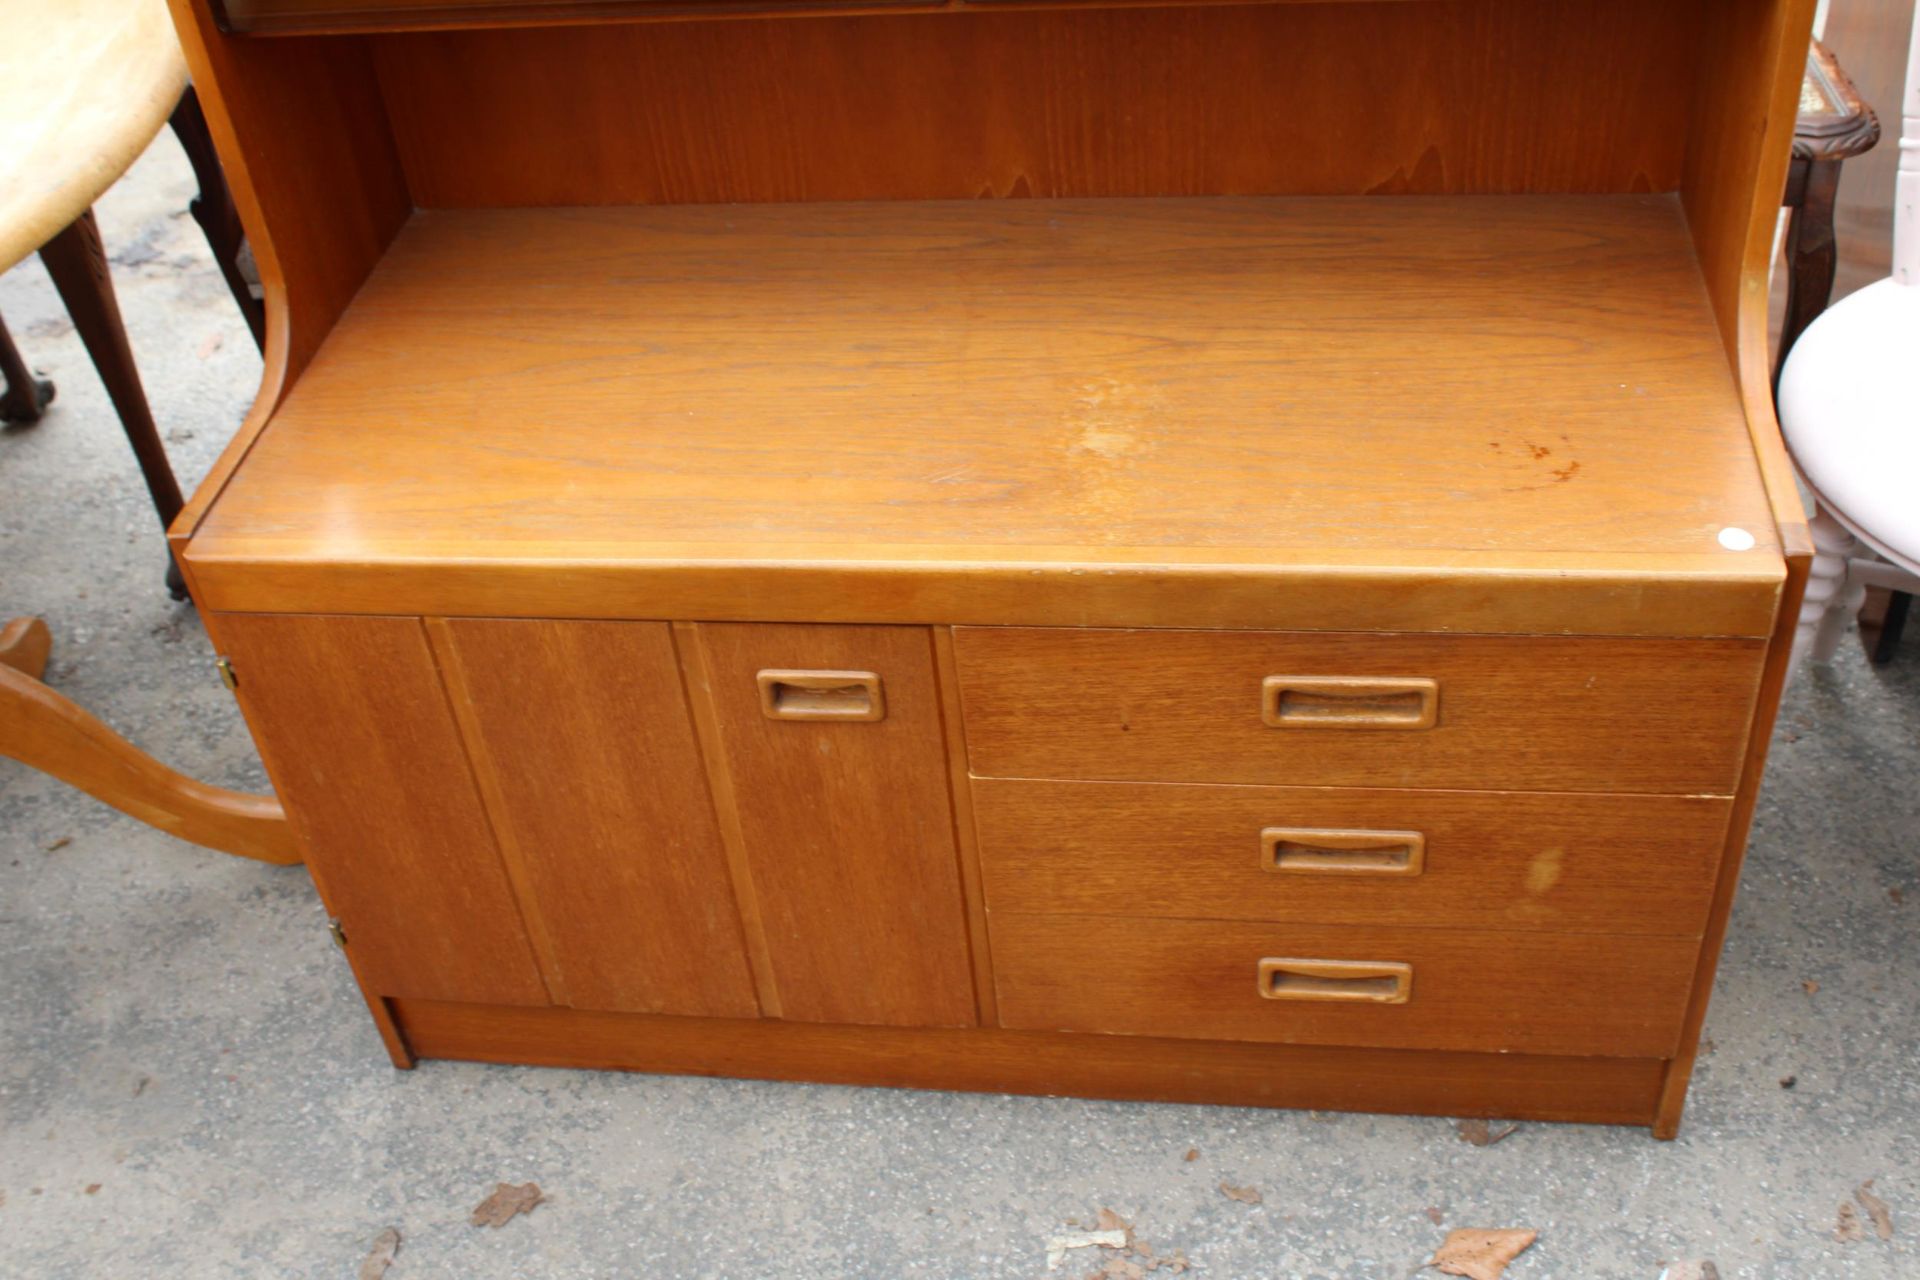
(1591, 1090)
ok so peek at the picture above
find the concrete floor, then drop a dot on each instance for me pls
(189, 1085)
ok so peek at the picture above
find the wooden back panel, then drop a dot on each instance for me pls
(308, 17)
(1441, 96)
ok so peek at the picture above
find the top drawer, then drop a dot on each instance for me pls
(1334, 709)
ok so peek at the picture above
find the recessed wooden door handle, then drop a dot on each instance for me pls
(1351, 981)
(1313, 851)
(1350, 702)
(822, 695)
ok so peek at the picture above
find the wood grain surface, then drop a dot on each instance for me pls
(1594, 1090)
(355, 731)
(1495, 860)
(847, 828)
(1522, 713)
(1472, 988)
(1433, 97)
(306, 152)
(306, 17)
(585, 751)
(1740, 128)
(1012, 411)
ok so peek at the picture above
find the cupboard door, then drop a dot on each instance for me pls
(354, 727)
(832, 739)
(586, 750)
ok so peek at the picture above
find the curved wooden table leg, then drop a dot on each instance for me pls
(26, 397)
(48, 732)
(25, 644)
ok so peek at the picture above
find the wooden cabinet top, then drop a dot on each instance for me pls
(1477, 393)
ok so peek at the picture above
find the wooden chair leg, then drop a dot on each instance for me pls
(77, 261)
(26, 397)
(1831, 597)
(48, 732)
(1892, 627)
(214, 210)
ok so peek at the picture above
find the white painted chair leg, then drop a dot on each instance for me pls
(1831, 599)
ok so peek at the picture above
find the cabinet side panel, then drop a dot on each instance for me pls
(1738, 137)
(848, 826)
(588, 753)
(317, 182)
(356, 731)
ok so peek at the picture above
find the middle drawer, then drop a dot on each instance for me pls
(1512, 861)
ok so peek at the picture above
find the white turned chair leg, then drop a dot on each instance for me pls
(1831, 599)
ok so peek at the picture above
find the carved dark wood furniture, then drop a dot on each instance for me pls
(1834, 124)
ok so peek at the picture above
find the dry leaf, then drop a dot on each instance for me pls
(1701, 1270)
(93, 1189)
(1434, 1215)
(1245, 1195)
(1115, 1235)
(506, 1201)
(1481, 1255)
(1876, 1209)
(386, 1246)
(1193, 1153)
(1810, 986)
(1897, 896)
(1481, 1133)
(1848, 1228)
(1057, 1246)
(59, 844)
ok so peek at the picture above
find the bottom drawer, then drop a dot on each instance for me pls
(1402, 988)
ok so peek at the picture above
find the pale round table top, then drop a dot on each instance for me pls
(84, 86)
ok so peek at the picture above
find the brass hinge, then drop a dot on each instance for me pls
(339, 934)
(227, 678)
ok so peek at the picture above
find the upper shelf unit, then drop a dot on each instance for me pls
(307, 17)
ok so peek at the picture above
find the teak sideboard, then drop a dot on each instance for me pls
(1207, 552)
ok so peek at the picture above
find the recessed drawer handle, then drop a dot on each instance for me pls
(1310, 851)
(822, 695)
(1353, 981)
(1349, 702)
